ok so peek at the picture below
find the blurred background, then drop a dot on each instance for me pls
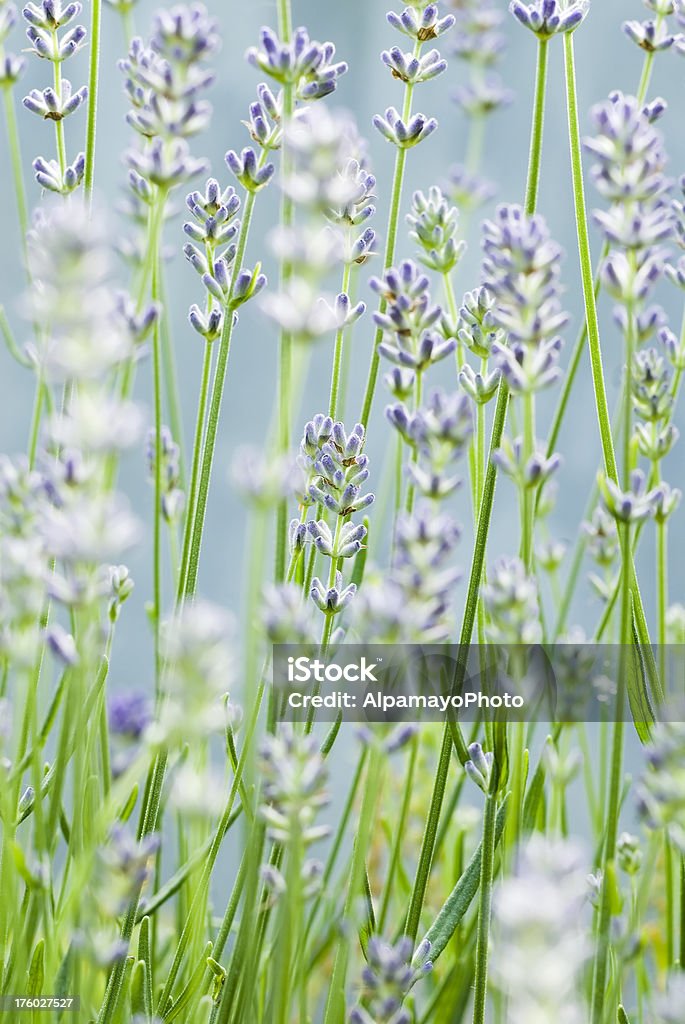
(606, 59)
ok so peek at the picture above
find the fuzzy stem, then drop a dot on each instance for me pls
(599, 386)
(478, 560)
(586, 264)
(157, 399)
(335, 1005)
(338, 352)
(16, 163)
(93, 76)
(613, 806)
(528, 524)
(195, 468)
(286, 339)
(484, 908)
(535, 154)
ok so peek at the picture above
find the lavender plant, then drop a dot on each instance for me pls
(179, 839)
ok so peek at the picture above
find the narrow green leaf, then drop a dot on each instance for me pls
(622, 1016)
(139, 986)
(144, 955)
(459, 900)
(36, 975)
(188, 993)
(129, 804)
(10, 341)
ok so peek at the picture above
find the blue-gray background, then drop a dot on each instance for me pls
(606, 61)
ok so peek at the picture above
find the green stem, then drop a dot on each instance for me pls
(286, 340)
(338, 352)
(484, 908)
(157, 399)
(212, 854)
(586, 264)
(59, 124)
(195, 469)
(613, 806)
(93, 77)
(602, 408)
(411, 488)
(172, 394)
(528, 524)
(16, 162)
(399, 840)
(478, 560)
(570, 375)
(335, 1005)
(535, 154)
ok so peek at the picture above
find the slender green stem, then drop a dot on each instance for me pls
(411, 489)
(59, 124)
(93, 82)
(195, 468)
(335, 1005)
(17, 165)
(172, 394)
(535, 154)
(484, 908)
(157, 400)
(586, 264)
(662, 592)
(285, 356)
(399, 839)
(338, 352)
(478, 559)
(602, 408)
(528, 524)
(615, 780)
(212, 853)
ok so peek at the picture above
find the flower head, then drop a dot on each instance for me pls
(548, 17)
(304, 63)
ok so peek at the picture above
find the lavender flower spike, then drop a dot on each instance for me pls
(411, 69)
(48, 106)
(49, 175)
(332, 600)
(11, 69)
(402, 135)
(422, 25)
(649, 35)
(548, 17)
(303, 62)
(247, 170)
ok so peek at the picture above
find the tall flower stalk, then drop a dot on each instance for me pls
(404, 130)
(478, 560)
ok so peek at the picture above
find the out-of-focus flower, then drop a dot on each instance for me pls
(539, 948)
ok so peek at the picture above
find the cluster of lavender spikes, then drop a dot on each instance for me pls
(479, 44)
(164, 82)
(334, 470)
(332, 191)
(422, 23)
(49, 41)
